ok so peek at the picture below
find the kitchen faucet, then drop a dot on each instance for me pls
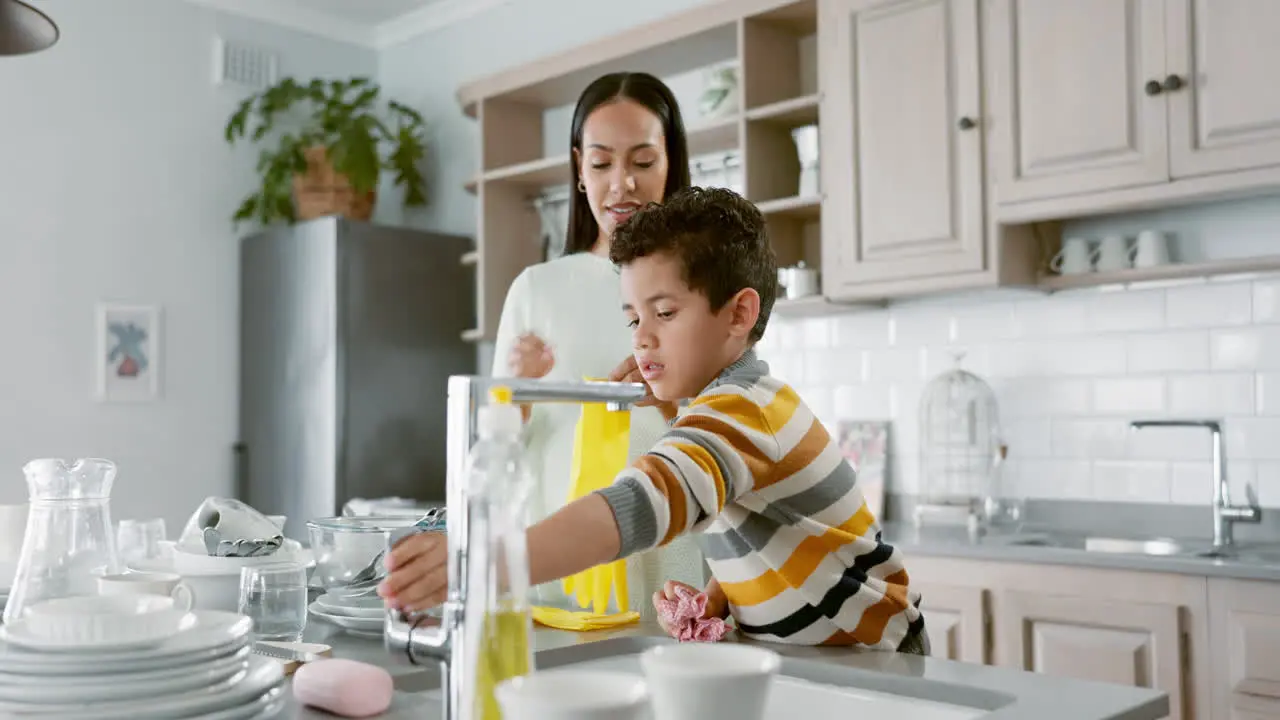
(1225, 515)
(452, 642)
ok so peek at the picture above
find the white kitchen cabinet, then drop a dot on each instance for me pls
(1226, 115)
(901, 141)
(1244, 619)
(1095, 95)
(1125, 627)
(956, 618)
(1088, 637)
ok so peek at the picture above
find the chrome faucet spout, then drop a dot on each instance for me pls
(447, 644)
(1225, 515)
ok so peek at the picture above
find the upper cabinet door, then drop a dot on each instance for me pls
(1071, 87)
(1224, 102)
(902, 140)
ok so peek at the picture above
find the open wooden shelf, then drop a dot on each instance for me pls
(772, 45)
(1172, 271)
(795, 112)
(804, 208)
(719, 135)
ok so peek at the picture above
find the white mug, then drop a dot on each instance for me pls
(149, 583)
(1075, 257)
(569, 694)
(695, 681)
(1151, 250)
(1113, 254)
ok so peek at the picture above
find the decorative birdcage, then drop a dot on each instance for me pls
(960, 447)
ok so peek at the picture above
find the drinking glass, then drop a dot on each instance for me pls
(275, 598)
(140, 539)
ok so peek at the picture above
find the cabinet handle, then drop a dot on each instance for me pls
(1174, 83)
(967, 123)
(1153, 87)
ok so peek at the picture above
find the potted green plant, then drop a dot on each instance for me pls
(329, 141)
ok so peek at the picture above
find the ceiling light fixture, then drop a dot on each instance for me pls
(24, 29)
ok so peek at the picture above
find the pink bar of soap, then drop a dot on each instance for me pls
(343, 687)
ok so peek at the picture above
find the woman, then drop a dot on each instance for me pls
(562, 319)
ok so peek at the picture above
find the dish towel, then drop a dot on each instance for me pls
(683, 617)
(579, 621)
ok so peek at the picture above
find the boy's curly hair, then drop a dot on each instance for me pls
(718, 236)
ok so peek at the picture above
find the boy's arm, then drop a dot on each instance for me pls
(578, 536)
(721, 449)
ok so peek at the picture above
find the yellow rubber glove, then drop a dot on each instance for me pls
(601, 446)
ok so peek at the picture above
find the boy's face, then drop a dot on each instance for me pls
(680, 345)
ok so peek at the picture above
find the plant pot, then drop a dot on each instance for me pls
(323, 191)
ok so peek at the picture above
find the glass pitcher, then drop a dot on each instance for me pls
(69, 541)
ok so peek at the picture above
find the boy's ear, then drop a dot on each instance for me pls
(744, 310)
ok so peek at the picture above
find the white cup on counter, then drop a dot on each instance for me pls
(1075, 257)
(568, 694)
(149, 583)
(1151, 250)
(694, 681)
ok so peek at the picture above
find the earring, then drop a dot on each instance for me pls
(582, 187)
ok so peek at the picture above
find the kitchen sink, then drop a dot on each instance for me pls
(1125, 546)
(1161, 547)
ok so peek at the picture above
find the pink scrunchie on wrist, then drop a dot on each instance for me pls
(683, 617)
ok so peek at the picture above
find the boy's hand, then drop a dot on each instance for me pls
(628, 371)
(419, 573)
(717, 603)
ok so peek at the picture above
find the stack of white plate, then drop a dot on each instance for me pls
(361, 614)
(205, 672)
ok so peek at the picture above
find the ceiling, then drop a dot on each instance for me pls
(375, 23)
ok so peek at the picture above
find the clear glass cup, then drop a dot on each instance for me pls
(275, 597)
(140, 539)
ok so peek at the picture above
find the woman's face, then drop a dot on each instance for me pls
(623, 162)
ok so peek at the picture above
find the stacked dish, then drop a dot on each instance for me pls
(205, 670)
(215, 581)
(361, 614)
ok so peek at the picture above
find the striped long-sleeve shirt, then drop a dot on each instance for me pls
(779, 513)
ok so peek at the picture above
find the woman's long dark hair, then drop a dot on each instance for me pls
(654, 95)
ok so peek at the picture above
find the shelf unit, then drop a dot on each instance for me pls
(766, 39)
(1171, 271)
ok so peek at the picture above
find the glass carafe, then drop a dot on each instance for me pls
(69, 541)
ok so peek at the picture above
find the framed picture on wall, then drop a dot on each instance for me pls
(127, 353)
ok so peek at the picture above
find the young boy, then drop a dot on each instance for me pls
(795, 553)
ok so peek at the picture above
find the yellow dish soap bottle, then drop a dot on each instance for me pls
(499, 622)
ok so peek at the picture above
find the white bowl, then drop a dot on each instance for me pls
(186, 562)
(105, 619)
(574, 695)
(694, 681)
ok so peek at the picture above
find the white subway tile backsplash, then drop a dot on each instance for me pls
(1069, 372)
(1168, 351)
(1131, 481)
(1129, 396)
(1209, 305)
(1211, 395)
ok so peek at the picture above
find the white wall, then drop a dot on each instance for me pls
(116, 185)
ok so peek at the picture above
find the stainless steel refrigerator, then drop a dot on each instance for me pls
(348, 334)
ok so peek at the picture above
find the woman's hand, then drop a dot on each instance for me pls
(419, 573)
(530, 357)
(628, 371)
